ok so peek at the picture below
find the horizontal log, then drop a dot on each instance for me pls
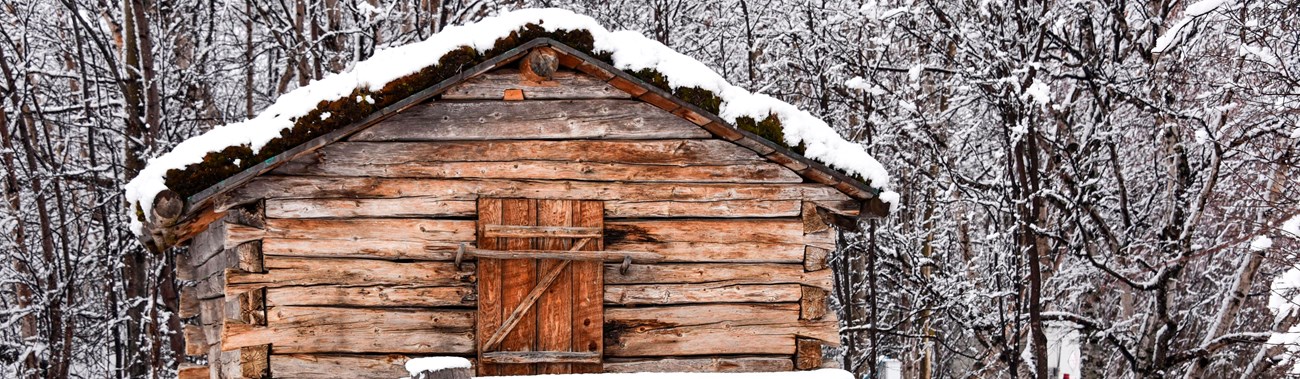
(562, 85)
(370, 249)
(559, 119)
(757, 273)
(709, 329)
(446, 251)
(715, 231)
(192, 371)
(529, 231)
(410, 295)
(289, 187)
(671, 152)
(732, 252)
(429, 207)
(605, 256)
(522, 357)
(740, 173)
(294, 271)
(664, 294)
(419, 206)
(358, 330)
(702, 364)
(723, 208)
(333, 366)
(422, 230)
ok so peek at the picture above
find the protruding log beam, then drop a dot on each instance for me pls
(815, 258)
(813, 305)
(808, 353)
(167, 207)
(255, 362)
(874, 208)
(539, 65)
(192, 371)
(814, 220)
(195, 342)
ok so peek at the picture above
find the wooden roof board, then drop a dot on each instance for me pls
(200, 206)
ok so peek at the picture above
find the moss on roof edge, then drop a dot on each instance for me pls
(219, 165)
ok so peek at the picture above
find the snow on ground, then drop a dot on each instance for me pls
(630, 51)
(418, 365)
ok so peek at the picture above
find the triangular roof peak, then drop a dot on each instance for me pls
(179, 187)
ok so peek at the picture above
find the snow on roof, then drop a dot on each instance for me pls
(629, 49)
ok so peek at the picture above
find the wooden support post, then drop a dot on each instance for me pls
(808, 353)
(445, 373)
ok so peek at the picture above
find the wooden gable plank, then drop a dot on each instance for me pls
(564, 84)
(558, 119)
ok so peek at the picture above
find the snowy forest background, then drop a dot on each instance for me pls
(1128, 167)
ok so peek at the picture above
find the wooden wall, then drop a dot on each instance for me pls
(356, 240)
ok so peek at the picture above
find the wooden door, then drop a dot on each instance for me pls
(539, 316)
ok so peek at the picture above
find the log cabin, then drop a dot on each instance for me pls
(534, 205)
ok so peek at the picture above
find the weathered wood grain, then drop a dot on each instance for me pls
(555, 307)
(549, 358)
(588, 285)
(709, 329)
(419, 206)
(756, 273)
(290, 187)
(701, 364)
(714, 231)
(429, 207)
(255, 362)
(731, 252)
(294, 271)
(671, 152)
(518, 277)
(409, 295)
(721, 209)
(808, 353)
(371, 249)
(665, 294)
(816, 258)
(743, 173)
(334, 366)
(814, 304)
(489, 312)
(192, 371)
(552, 119)
(562, 85)
(358, 330)
(372, 229)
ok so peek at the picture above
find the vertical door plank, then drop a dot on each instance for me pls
(519, 276)
(588, 289)
(489, 282)
(555, 309)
